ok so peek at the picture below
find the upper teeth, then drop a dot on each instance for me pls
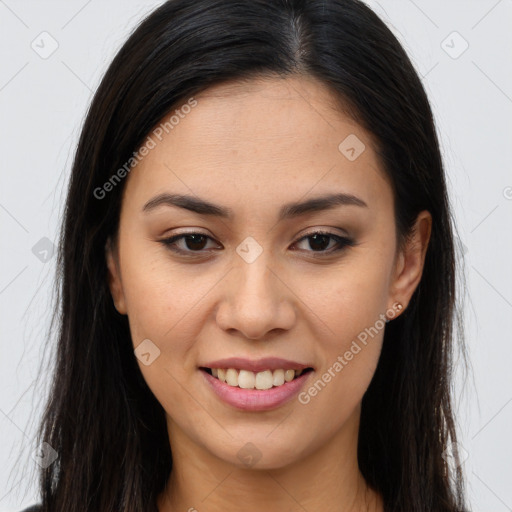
(249, 380)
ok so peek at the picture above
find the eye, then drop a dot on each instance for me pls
(194, 242)
(319, 241)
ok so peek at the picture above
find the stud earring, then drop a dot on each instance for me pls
(394, 311)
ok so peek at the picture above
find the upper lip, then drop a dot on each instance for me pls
(267, 363)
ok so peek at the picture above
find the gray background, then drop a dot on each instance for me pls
(43, 99)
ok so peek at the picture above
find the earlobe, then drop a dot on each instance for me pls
(114, 278)
(411, 260)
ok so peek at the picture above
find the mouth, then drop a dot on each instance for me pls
(258, 391)
(262, 380)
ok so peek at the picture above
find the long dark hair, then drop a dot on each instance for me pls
(102, 419)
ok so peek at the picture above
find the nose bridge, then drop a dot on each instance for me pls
(254, 284)
(257, 301)
(254, 281)
(252, 265)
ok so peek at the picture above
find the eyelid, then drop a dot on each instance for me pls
(344, 240)
(171, 240)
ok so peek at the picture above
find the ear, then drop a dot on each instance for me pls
(410, 261)
(114, 276)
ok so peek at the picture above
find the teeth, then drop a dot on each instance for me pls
(289, 375)
(250, 380)
(264, 380)
(246, 380)
(278, 377)
(232, 377)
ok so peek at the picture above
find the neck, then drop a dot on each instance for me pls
(327, 478)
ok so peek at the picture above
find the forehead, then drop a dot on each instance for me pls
(257, 142)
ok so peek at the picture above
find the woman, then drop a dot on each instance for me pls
(257, 273)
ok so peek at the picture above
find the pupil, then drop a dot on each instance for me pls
(315, 239)
(194, 240)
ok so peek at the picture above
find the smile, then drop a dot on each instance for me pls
(265, 390)
(246, 379)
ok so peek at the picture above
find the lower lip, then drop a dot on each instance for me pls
(256, 399)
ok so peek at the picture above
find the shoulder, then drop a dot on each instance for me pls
(33, 508)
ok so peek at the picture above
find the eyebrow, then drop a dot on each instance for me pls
(287, 211)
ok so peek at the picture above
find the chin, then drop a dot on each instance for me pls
(260, 452)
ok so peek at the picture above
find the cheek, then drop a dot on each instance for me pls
(163, 306)
(161, 296)
(349, 357)
(351, 305)
(350, 298)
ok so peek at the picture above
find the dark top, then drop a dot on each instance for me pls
(33, 508)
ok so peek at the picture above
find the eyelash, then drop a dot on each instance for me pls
(342, 241)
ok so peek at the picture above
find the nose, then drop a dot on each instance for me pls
(256, 300)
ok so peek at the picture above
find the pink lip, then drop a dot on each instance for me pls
(267, 363)
(255, 399)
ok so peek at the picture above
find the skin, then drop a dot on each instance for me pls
(253, 147)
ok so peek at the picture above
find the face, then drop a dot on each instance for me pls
(277, 287)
